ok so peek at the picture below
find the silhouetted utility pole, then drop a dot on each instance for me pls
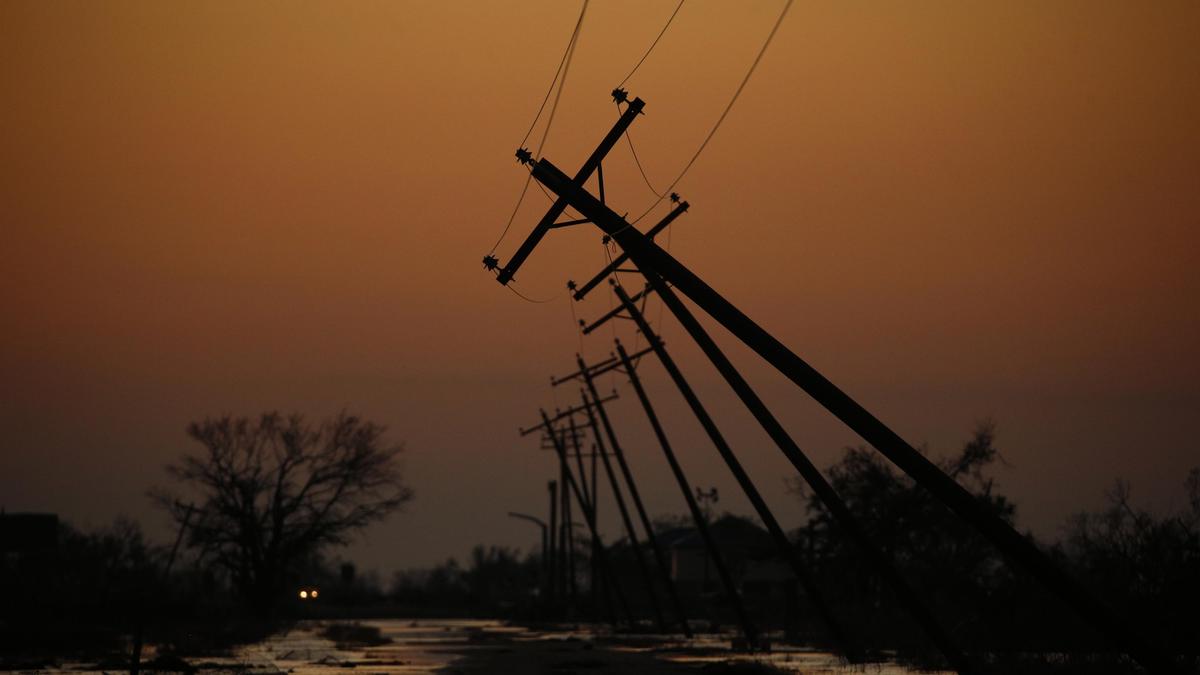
(568, 537)
(710, 544)
(710, 498)
(630, 532)
(564, 517)
(588, 496)
(650, 258)
(589, 166)
(612, 267)
(564, 413)
(589, 517)
(592, 499)
(882, 565)
(553, 487)
(593, 569)
(785, 547)
(565, 552)
(587, 374)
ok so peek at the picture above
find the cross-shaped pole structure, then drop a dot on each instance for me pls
(821, 487)
(786, 548)
(749, 632)
(588, 375)
(630, 532)
(824, 491)
(589, 517)
(649, 257)
(547, 222)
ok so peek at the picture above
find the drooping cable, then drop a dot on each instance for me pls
(563, 80)
(725, 113)
(563, 64)
(526, 298)
(652, 44)
(637, 160)
(519, 294)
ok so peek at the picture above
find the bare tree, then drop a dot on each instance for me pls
(274, 490)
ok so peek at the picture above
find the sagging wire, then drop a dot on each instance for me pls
(510, 286)
(564, 65)
(652, 44)
(725, 113)
(637, 160)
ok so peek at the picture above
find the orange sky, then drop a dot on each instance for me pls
(953, 210)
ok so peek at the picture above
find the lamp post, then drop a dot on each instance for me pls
(545, 546)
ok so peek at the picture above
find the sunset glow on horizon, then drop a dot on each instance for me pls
(953, 211)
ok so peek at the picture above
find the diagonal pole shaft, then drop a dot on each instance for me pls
(552, 571)
(593, 162)
(824, 491)
(568, 544)
(583, 479)
(630, 532)
(714, 553)
(624, 257)
(786, 548)
(649, 256)
(659, 557)
(589, 518)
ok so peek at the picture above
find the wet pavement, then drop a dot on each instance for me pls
(450, 646)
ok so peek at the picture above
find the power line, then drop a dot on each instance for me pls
(642, 60)
(563, 81)
(638, 161)
(725, 113)
(526, 298)
(563, 64)
(652, 44)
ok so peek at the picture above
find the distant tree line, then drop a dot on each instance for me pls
(256, 505)
(96, 588)
(1147, 567)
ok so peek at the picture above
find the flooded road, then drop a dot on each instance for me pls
(484, 646)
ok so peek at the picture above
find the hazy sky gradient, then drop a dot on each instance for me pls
(953, 210)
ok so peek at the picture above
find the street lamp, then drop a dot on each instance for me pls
(545, 542)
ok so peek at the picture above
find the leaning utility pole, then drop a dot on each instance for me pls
(786, 548)
(649, 257)
(630, 532)
(553, 573)
(588, 495)
(589, 517)
(882, 565)
(567, 541)
(622, 258)
(589, 166)
(566, 548)
(587, 373)
(701, 523)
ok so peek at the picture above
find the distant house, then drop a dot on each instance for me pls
(747, 549)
